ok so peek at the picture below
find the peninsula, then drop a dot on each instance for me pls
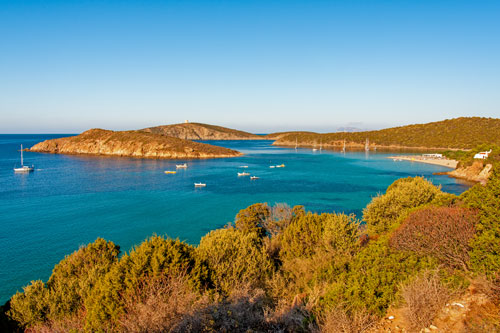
(131, 144)
(198, 131)
(457, 133)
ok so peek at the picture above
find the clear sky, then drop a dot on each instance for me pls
(66, 66)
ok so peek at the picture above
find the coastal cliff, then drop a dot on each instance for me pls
(131, 144)
(197, 131)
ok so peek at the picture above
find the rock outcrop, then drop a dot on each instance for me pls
(131, 144)
(197, 131)
(477, 172)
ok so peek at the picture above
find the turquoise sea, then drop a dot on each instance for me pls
(69, 201)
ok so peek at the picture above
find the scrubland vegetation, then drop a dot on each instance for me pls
(282, 269)
(458, 133)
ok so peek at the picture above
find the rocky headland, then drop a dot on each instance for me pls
(131, 144)
(198, 131)
(477, 172)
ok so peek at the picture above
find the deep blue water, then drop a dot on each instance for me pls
(71, 200)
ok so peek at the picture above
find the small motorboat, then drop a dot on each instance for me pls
(181, 166)
(170, 172)
(200, 184)
(272, 166)
(280, 166)
(254, 177)
(243, 174)
(244, 166)
(24, 168)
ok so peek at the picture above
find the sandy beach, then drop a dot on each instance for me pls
(436, 161)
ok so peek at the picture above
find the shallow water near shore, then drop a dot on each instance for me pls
(69, 201)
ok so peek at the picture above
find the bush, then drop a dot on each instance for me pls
(234, 257)
(341, 320)
(73, 279)
(442, 232)
(336, 234)
(252, 218)
(70, 284)
(384, 210)
(160, 305)
(30, 307)
(424, 296)
(371, 280)
(280, 217)
(485, 254)
(155, 258)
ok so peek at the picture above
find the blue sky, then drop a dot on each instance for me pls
(66, 66)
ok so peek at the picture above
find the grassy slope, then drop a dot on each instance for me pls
(170, 129)
(144, 138)
(459, 133)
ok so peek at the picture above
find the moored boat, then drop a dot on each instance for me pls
(170, 172)
(181, 166)
(24, 168)
(243, 174)
(200, 184)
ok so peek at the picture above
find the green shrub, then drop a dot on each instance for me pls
(371, 281)
(73, 279)
(234, 257)
(485, 253)
(384, 210)
(252, 218)
(154, 258)
(71, 282)
(31, 306)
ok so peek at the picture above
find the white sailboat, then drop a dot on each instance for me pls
(367, 145)
(24, 168)
(343, 148)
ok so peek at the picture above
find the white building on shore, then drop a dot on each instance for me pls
(482, 155)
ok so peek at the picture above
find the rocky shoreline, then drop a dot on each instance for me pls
(99, 142)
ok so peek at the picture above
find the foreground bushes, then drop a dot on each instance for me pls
(280, 269)
(404, 194)
(443, 232)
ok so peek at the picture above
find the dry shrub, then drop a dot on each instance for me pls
(342, 320)
(424, 297)
(246, 309)
(160, 304)
(73, 323)
(482, 317)
(444, 232)
(488, 287)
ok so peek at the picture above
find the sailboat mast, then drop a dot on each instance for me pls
(22, 163)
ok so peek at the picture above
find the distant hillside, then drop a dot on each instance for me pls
(458, 133)
(197, 131)
(131, 144)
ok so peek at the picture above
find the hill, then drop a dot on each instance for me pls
(197, 131)
(131, 144)
(458, 133)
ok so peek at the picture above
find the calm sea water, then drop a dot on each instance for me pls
(71, 200)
